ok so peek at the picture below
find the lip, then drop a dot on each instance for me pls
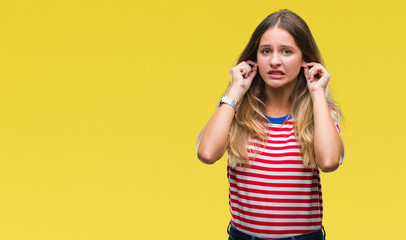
(276, 74)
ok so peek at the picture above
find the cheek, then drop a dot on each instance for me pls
(262, 70)
(262, 66)
(294, 67)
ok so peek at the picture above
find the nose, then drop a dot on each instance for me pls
(275, 59)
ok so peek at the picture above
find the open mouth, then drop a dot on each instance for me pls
(275, 72)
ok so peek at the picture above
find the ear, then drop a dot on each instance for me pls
(304, 64)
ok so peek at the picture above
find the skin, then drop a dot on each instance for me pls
(277, 51)
(328, 145)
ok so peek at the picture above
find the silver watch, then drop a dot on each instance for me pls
(230, 102)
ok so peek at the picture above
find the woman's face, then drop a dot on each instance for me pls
(279, 59)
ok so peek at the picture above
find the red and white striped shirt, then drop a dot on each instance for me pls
(276, 196)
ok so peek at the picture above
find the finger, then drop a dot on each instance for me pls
(253, 66)
(241, 65)
(318, 70)
(251, 77)
(312, 64)
(245, 70)
(253, 70)
(251, 62)
(306, 73)
(312, 73)
(317, 66)
(310, 76)
(248, 70)
(242, 68)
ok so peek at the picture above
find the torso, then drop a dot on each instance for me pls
(276, 196)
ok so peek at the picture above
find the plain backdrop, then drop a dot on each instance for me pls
(101, 103)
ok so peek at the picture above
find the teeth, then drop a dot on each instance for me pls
(276, 73)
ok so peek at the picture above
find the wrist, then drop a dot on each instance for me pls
(317, 93)
(235, 94)
(229, 101)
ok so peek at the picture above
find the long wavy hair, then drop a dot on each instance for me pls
(249, 121)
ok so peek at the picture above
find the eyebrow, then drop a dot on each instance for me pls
(283, 46)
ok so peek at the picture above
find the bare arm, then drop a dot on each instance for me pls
(213, 139)
(328, 145)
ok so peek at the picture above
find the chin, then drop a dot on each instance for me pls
(280, 84)
(275, 83)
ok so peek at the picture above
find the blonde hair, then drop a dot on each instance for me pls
(249, 121)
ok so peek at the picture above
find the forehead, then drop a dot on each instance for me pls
(277, 37)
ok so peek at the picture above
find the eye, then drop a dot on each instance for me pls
(265, 51)
(286, 51)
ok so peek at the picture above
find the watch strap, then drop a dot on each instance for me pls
(230, 102)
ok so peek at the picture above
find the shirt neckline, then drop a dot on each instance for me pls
(279, 119)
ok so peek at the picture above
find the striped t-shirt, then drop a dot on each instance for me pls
(276, 196)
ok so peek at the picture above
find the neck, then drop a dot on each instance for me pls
(277, 101)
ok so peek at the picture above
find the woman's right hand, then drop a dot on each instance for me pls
(241, 78)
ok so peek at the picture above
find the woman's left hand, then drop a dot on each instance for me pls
(317, 77)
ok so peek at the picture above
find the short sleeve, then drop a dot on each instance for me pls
(336, 118)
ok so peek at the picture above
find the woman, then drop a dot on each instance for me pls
(280, 127)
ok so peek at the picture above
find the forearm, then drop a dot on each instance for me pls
(212, 141)
(328, 145)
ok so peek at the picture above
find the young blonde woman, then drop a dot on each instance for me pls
(280, 128)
